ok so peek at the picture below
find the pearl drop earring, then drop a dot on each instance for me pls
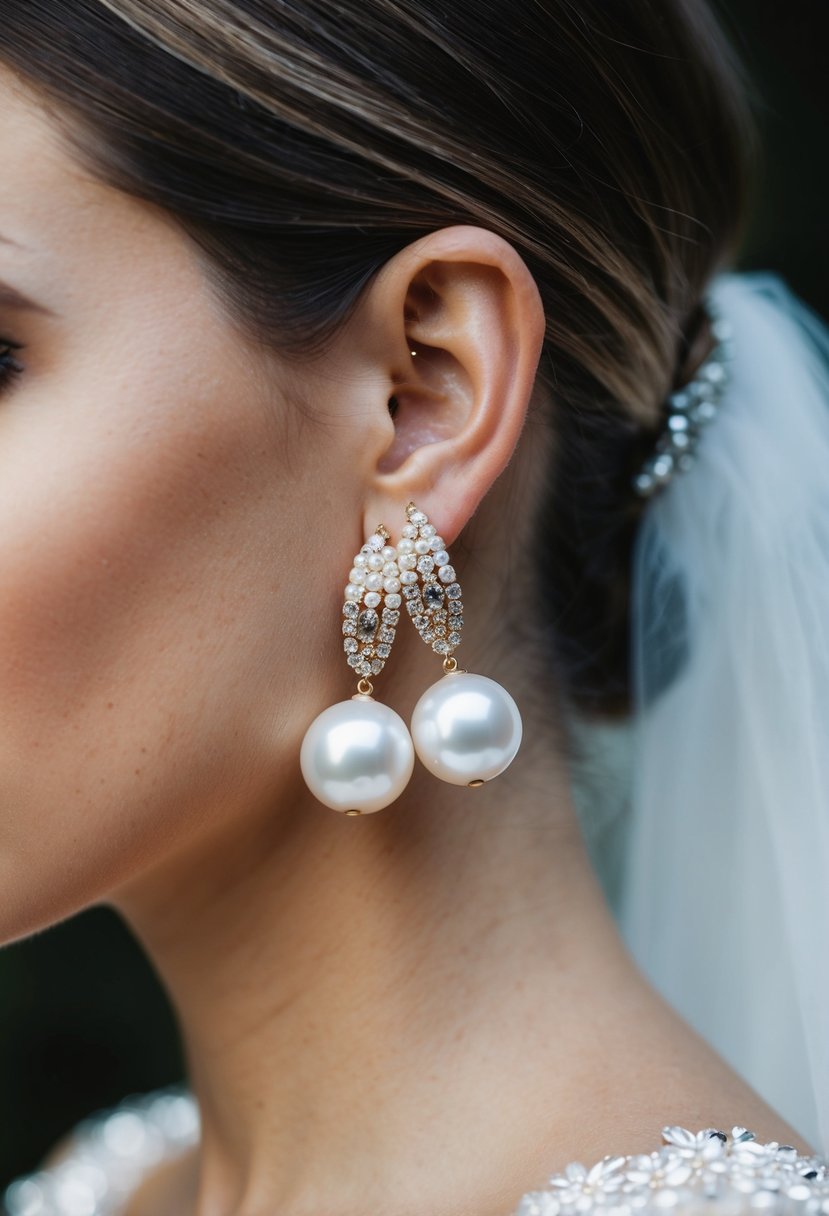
(357, 755)
(466, 728)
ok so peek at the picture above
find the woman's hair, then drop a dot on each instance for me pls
(302, 143)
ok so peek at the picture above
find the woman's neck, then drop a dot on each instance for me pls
(426, 1009)
(384, 1009)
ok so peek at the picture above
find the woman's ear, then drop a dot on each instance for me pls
(458, 320)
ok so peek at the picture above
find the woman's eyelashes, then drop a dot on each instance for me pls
(9, 367)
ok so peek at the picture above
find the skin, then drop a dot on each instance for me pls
(428, 1009)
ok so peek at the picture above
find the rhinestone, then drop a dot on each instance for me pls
(439, 629)
(714, 373)
(413, 607)
(349, 627)
(354, 660)
(454, 591)
(349, 645)
(704, 411)
(455, 606)
(427, 635)
(411, 592)
(350, 609)
(679, 400)
(663, 467)
(456, 622)
(425, 564)
(376, 541)
(417, 517)
(433, 595)
(367, 623)
(386, 634)
(384, 650)
(364, 668)
(376, 666)
(420, 622)
(454, 639)
(441, 646)
(390, 616)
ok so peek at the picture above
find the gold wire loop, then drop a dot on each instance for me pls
(365, 687)
(450, 664)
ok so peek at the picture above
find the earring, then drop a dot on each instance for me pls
(466, 728)
(357, 755)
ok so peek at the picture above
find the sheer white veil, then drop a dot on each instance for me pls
(714, 812)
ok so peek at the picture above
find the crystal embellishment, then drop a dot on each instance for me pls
(370, 613)
(703, 1171)
(437, 591)
(688, 410)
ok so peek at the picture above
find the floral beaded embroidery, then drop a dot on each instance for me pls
(692, 1171)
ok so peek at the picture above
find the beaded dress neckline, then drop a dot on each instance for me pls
(111, 1151)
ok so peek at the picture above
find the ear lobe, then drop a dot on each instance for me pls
(473, 325)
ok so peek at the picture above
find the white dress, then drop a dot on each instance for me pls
(709, 1170)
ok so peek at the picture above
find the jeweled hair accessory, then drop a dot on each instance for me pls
(689, 410)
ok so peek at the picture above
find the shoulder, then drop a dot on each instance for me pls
(686, 1173)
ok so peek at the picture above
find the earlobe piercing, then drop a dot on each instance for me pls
(466, 728)
(357, 755)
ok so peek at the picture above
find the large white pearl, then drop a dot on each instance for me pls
(466, 728)
(357, 755)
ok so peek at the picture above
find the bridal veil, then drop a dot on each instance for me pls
(712, 826)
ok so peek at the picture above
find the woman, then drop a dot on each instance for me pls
(288, 269)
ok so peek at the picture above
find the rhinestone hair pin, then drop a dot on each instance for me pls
(688, 411)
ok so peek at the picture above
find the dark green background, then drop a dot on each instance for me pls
(82, 1019)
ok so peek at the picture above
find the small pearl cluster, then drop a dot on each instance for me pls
(431, 591)
(368, 629)
(689, 410)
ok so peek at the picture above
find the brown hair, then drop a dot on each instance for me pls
(301, 143)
